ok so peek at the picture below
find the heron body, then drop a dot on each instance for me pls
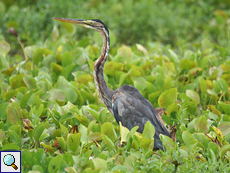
(126, 103)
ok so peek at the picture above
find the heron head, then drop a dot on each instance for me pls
(95, 24)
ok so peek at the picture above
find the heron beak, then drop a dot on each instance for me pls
(80, 22)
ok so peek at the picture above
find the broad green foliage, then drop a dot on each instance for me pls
(51, 111)
(167, 97)
(57, 93)
(73, 131)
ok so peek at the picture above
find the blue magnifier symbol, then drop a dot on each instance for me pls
(9, 160)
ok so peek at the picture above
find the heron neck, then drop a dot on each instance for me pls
(104, 91)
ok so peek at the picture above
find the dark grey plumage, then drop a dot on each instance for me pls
(132, 109)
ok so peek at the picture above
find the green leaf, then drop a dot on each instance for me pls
(3, 63)
(100, 164)
(173, 108)
(214, 147)
(73, 142)
(89, 95)
(38, 56)
(10, 147)
(134, 71)
(122, 78)
(212, 155)
(168, 97)
(29, 51)
(153, 96)
(150, 87)
(67, 59)
(223, 85)
(188, 139)
(203, 85)
(67, 71)
(70, 95)
(86, 41)
(48, 147)
(191, 107)
(216, 87)
(17, 81)
(73, 170)
(148, 131)
(224, 150)
(48, 61)
(225, 107)
(128, 163)
(25, 98)
(96, 151)
(66, 117)
(187, 64)
(201, 138)
(38, 112)
(68, 158)
(146, 145)
(111, 67)
(82, 77)
(224, 127)
(204, 61)
(193, 96)
(90, 126)
(62, 143)
(108, 142)
(132, 132)
(139, 83)
(159, 81)
(2, 136)
(83, 130)
(103, 115)
(211, 92)
(123, 133)
(3, 113)
(56, 94)
(10, 94)
(64, 130)
(94, 113)
(62, 83)
(14, 137)
(174, 56)
(108, 130)
(29, 81)
(68, 27)
(13, 113)
(125, 52)
(55, 163)
(84, 120)
(120, 168)
(168, 83)
(167, 142)
(37, 168)
(4, 47)
(38, 130)
(201, 124)
(56, 68)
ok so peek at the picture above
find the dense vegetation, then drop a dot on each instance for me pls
(175, 52)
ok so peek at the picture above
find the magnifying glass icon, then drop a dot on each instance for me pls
(9, 160)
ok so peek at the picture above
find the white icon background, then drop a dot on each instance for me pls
(5, 168)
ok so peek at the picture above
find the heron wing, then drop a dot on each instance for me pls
(132, 109)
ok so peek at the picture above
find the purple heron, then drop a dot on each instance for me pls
(126, 103)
